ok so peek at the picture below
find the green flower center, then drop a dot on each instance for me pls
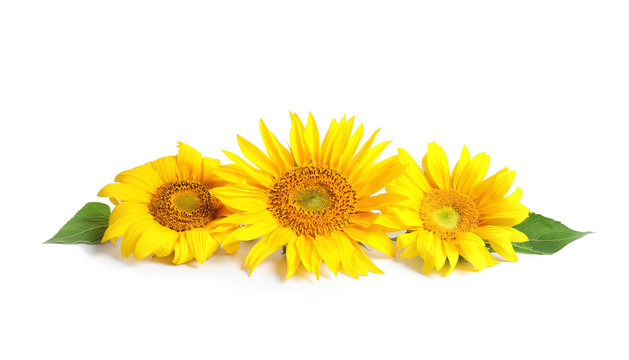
(313, 198)
(187, 202)
(447, 217)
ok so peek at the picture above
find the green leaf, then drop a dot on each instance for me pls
(86, 227)
(546, 236)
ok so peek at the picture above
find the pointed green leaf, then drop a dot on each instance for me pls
(86, 227)
(546, 236)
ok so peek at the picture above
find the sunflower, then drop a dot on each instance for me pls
(452, 215)
(314, 200)
(167, 205)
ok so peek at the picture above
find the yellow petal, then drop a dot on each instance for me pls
(405, 239)
(190, 162)
(278, 153)
(473, 249)
(231, 248)
(340, 141)
(254, 231)
(242, 198)
(125, 192)
(453, 256)
(268, 245)
(305, 247)
(400, 218)
(499, 189)
(377, 202)
(363, 262)
(353, 166)
(473, 173)
(429, 264)
(364, 219)
(183, 254)
(143, 177)
(372, 237)
(297, 145)
(366, 162)
(315, 260)
(133, 233)
(257, 157)
(263, 178)
(328, 143)
(242, 219)
(503, 213)
(440, 253)
(350, 265)
(414, 172)
(329, 251)
(352, 146)
(201, 244)
(122, 215)
(167, 169)
(505, 249)
(292, 258)
(516, 236)
(515, 196)
(235, 175)
(426, 243)
(403, 185)
(411, 250)
(479, 191)
(154, 238)
(311, 137)
(208, 176)
(437, 166)
(460, 167)
(498, 238)
(378, 176)
(167, 246)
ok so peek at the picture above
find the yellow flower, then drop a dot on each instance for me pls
(167, 205)
(452, 214)
(314, 201)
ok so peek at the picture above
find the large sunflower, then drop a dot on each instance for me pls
(454, 214)
(314, 199)
(167, 205)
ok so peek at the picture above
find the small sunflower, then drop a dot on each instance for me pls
(454, 214)
(314, 200)
(167, 205)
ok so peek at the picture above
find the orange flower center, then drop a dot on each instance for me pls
(447, 213)
(312, 200)
(183, 205)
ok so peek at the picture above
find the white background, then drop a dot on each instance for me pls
(88, 89)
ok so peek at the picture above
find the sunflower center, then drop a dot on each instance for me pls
(187, 202)
(446, 217)
(447, 213)
(312, 200)
(183, 205)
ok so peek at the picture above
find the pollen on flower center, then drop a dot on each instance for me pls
(312, 200)
(183, 205)
(447, 217)
(447, 213)
(187, 202)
